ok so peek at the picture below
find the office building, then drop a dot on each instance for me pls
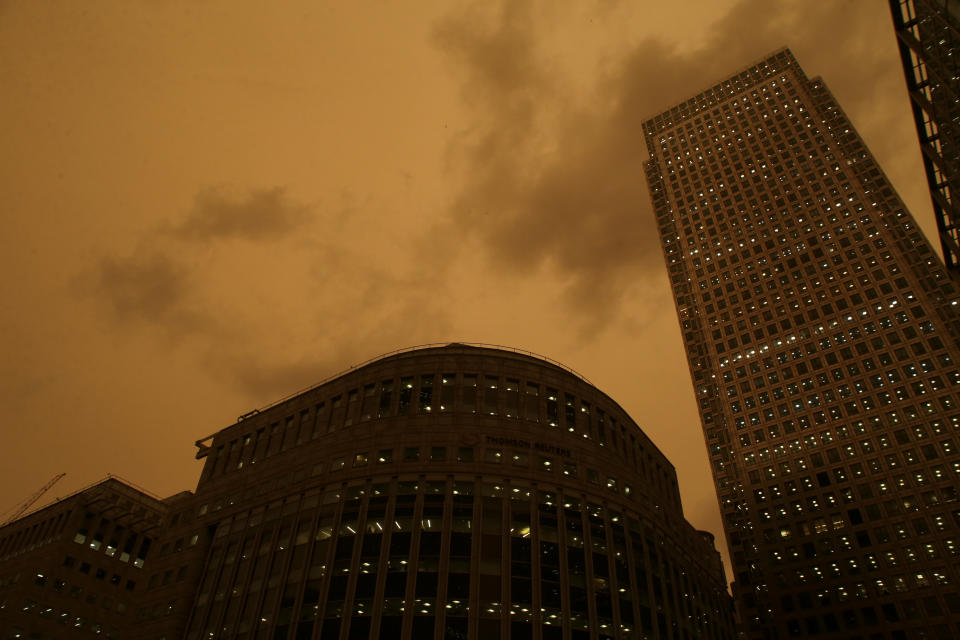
(928, 36)
(75, 568)
(447, 492)
(822, 336)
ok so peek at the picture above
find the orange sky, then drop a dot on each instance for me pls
(209, 205)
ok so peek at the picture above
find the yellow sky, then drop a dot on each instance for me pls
(209, 205)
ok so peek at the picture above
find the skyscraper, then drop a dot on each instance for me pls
(823, 338)
(928, 35)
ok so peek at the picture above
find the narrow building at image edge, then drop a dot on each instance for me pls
(822, 334)
(76, 568)
(449, 492)
(928, 36)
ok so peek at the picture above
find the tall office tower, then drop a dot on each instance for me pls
(928, 35)
(823, 338)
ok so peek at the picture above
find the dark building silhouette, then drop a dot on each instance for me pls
(822, 336)
(443, 492)
(928, 36)
(76, 568)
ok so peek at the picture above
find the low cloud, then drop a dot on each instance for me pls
(161, 284)
(259, 215)
(269, 317)
(147, 288)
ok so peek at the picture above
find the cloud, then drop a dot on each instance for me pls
(146, 287)
(161, 285)
(269, 317)
(365, 326)
(262, 214)
(554, 179)
(154, 284)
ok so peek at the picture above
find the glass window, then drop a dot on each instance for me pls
(469, 399)
(369, 402)
(490, 394)
(447, 380)
(426, 393)
(406, 395)
(571, 412)
(531, 403)
(553, 408)
(511, 398)
(386, 394)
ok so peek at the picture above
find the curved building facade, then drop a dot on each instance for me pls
(443, 492)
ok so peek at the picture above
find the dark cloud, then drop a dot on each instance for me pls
(346, 330)
(552, 181)
(154, 284)
(264, 378)
(503, 71)
(267, 318)
(147, 287)
(261, 215)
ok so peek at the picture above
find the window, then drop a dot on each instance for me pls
(406, 395)
(490, 394)
(532, 402)
(447, 381)
(426, 393)
(386, 393)
(469, 399)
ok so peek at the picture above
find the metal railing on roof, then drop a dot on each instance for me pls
(419, 347)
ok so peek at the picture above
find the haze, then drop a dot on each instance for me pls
(209, 205)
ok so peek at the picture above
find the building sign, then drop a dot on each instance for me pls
(520, 443)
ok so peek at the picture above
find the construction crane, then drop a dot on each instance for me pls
(32, 499)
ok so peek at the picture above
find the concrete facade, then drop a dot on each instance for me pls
(447, 492)
(823, 335)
